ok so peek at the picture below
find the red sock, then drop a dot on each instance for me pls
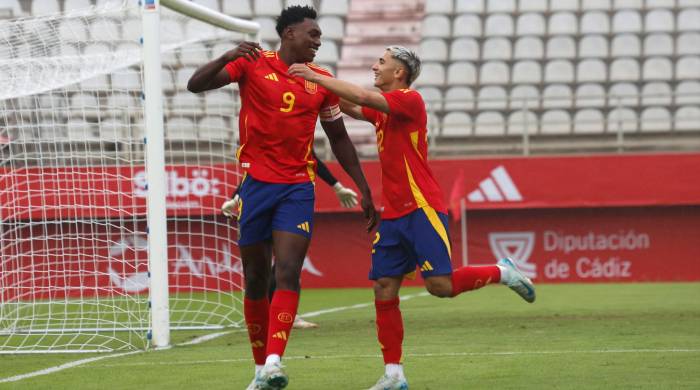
(256, 314)
(389, 329)
(283, 309)
(472, 278)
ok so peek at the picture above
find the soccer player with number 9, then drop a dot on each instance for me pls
(277, 123)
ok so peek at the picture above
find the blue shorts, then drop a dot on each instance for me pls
(265, 207)
(418, 239)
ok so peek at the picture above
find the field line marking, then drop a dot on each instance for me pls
(197, 340)
(421, 355)
(64, 366)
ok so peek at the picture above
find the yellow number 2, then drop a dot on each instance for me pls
(288, 99)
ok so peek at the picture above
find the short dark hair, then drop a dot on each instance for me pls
(293, 15)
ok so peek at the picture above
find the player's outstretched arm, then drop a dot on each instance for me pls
(353, 110)
(213, 75)
(345, 90)
(347, 157)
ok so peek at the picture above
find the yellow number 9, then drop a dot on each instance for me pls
(288, 99)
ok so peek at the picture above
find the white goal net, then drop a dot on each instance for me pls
(73, 234)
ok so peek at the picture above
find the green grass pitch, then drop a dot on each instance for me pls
(602, 336)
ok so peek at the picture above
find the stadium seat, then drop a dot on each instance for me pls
(659, 20)
(522, 120)
(334, 7)
(533, 5)
(489, 124)
(524, 96)
(688, 43)
(464, 49)
(656, 94)
(50, 101)
(84, 103)
(626, 21)
(112, 129)
(563, 23)
(214, 128)
(625, 45)
(656, 119)
(73, 30)
(472, 6)
(492, 72)
(431, 74)
(590, 95)
(131, 29)
(459, 99)
(507, 6)
(436, 26)
(688, 68)
(14, 7)
(439, 7)
(529, 48)
(596, 4)
(465, 26)
(661, 3)
(433, 49)
(559, 71)
(556, 96)
(461, 73)
(624, 70)
(593, 46)
(267, 7)
(122, 103)
(688, 19)
(499, 25)
(239, 8)
(127, 80)
(564, 5)
(172, 29)
(687, 118)
(589, 121)
(195, 54)
(182, 76)
(623, 119)
(166, 79)
(177, 128)
(267, 29)
(38, 7)
(328, 52)
(185, 103)
(688, 92)
(561, 47)
(457, 124)
(496, 49)
(96, 83)
(79, 129)
(555, 122)
(657, 69)
(623, 94)
(219, 101)
(332, 27)
(492, 98)
(591, 70)
(432, 98)
(658, 45)
(595, 23)
(526, 72)
(530, 24)
(76, 4)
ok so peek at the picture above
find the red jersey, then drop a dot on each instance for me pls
(278, 118)
(402, 141)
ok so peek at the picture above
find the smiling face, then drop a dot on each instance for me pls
(303, 39)
(388, 71)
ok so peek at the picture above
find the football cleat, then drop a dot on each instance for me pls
(518, 282)
(300, 323)
(387, 382)
(271, 377)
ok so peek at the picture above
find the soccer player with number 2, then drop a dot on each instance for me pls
(413, 230)
(277, 122)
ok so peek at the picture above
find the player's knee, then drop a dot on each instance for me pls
(256, 286)
(439, 289)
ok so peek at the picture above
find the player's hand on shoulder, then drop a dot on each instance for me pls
(303, 71)
(251, 51)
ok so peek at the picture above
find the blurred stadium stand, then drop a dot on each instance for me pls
(500, 76)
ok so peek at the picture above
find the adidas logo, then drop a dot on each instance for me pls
(304, 226)
(257, 344)
(426, 266)
(272, 76)
(496, 188)
(282, 335)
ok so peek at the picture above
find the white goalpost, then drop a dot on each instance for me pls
(111, 178)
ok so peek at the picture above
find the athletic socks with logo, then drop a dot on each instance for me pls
(256, 312)
(472, 278)
(283, 309)
(389, 330)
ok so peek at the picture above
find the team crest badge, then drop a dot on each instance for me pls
(310, 87)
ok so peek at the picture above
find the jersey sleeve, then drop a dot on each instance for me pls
(237, 69)
(404, 102)
(330, 110)
(370, 114)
